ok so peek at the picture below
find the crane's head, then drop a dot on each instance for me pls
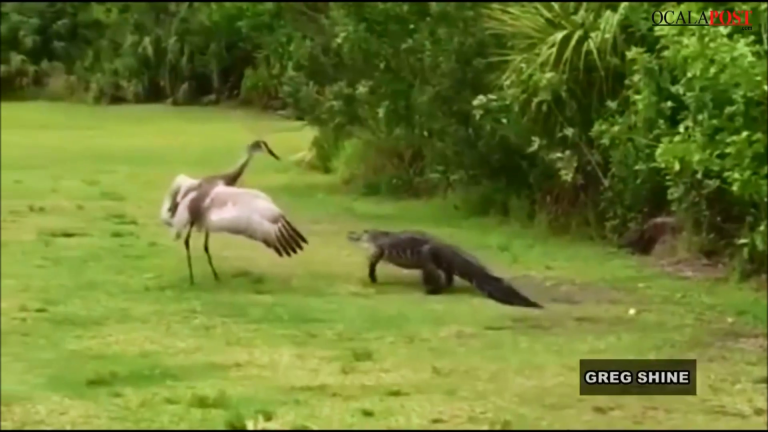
(261, 146)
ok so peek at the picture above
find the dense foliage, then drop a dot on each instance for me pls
(580, 112)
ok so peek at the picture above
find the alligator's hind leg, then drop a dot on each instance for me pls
(433, 281)
(448, 278)
(442, 265)
(430, 274)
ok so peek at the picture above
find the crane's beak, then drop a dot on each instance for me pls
(269, 150)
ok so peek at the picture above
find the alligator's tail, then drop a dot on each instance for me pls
(503, 292)
(470, 269)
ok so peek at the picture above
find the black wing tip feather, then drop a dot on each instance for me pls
(501, 291)
(275, 248)
(295, 231)
(288, 241)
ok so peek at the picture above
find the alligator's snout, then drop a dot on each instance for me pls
(354, 236)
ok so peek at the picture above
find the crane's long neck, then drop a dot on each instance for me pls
(232, 177)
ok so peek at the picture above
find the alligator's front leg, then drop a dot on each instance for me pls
(373, 261)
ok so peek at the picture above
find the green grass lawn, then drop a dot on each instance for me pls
(100, 328)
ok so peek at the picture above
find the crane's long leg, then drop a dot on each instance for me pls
(189, 256)
(208, 254)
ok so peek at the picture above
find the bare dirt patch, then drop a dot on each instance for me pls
(552, 291)
(690, 268)
(749, 340)
(539, 289)
(671, 257)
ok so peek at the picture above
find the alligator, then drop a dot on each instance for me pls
(417, 250)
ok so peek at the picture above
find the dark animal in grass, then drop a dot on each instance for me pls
(643, 240)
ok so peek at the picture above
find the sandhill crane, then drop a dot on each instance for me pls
(229, 178)
(215, 207)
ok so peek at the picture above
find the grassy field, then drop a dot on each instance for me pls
(100, 328)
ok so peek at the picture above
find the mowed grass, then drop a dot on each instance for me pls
(100, 328)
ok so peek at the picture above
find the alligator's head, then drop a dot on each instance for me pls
(365, 237)
(358, 236)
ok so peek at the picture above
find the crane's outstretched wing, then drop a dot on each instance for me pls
(251, 213)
